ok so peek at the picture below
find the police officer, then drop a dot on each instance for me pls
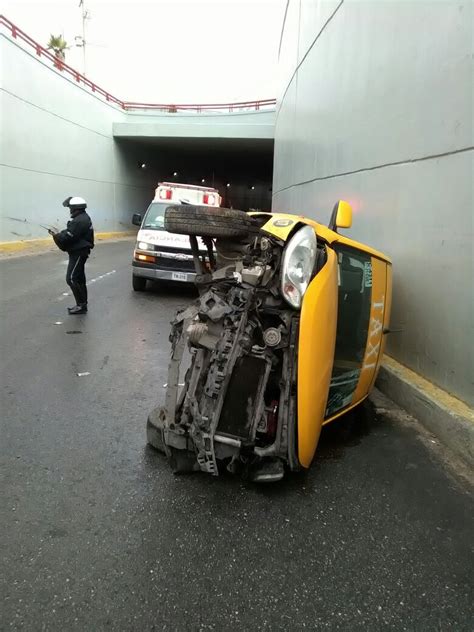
(77, 239)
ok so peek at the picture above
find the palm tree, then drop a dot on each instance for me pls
(58, 44)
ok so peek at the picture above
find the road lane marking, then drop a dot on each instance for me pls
(102, 276)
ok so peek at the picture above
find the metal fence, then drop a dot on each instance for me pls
(56, 62)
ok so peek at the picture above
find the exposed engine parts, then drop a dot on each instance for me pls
(272, 336)
(233, 409)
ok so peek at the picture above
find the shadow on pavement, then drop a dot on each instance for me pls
(171, 290)
(347, 431)
(336, 438)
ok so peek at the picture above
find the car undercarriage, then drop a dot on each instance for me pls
(236, 406)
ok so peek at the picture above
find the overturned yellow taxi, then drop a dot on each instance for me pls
(287, 335)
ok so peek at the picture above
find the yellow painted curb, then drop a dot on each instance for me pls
(37, 244)
(16, 246)
(115, 235)
(447, 400)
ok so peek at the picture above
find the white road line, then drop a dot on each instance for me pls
(102, 276)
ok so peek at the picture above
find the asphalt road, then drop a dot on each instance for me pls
(98, 534)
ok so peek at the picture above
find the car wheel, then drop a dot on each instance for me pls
(138, 283)
(208, 221)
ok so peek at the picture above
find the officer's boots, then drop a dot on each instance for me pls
(80, 294)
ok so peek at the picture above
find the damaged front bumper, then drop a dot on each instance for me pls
(236, 409)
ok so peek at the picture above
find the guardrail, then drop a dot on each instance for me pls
(201, 107)
(58, 63)
(18, 34)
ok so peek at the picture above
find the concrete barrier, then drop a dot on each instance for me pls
(445, 416)
(36, 246)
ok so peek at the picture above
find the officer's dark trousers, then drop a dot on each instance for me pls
(76, 276)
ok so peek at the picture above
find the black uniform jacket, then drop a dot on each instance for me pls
(78, 235)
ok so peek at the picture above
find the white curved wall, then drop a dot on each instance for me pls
(376, 107)
(57, 141)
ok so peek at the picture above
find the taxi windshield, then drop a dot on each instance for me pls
(155, 216)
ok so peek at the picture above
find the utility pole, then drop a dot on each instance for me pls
(85, 16)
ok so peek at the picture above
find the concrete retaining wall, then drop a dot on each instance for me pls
(57, 141)
(376, 108)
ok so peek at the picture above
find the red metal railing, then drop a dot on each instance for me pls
(200, 107)
(60, 65)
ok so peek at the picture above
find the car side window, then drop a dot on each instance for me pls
(353, 316)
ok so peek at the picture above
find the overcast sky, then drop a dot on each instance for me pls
(166, 51)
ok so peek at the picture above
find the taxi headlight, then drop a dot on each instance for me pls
(142, 245)
(297, 266)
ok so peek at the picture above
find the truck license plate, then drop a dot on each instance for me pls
(179, 276)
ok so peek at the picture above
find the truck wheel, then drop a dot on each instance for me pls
(138, 283)
(208, 221)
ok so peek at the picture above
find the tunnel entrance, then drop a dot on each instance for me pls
(241, 169)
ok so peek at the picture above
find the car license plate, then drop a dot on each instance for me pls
(179, 276)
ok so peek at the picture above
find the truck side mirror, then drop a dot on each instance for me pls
(341, 216)
(136, 219)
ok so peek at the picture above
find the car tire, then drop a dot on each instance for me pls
(208, 221)
(138, 283)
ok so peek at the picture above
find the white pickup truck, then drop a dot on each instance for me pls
(163, 256)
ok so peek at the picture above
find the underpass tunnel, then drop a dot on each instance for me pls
(241, 169)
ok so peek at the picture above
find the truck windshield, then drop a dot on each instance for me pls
(155, 216)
